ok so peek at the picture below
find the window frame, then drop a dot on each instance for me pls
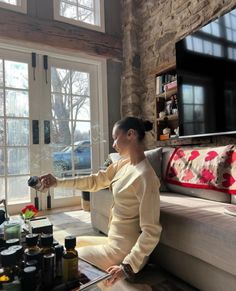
(100, 148)
(18, 8)
(99, 13)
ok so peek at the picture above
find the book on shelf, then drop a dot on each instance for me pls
(170, 86)
(158, 85)
(230, 209)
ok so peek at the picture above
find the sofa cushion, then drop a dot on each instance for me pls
(208, 173)
(205, 194)
(233, 199)
(102, 201)
(199, 228)
(154, 157)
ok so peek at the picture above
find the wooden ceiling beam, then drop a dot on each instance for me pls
(21, 27)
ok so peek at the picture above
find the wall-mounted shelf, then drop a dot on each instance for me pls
(166, 105)
(168, 118)
(167, 94)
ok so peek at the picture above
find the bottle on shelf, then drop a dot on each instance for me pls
(70, 259)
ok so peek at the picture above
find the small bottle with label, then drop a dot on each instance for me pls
(48, 271)
(29, 279)
(70, 259)
(46, 243)
(32, 250)
(19, 257)
(8, 275)
(59, 249)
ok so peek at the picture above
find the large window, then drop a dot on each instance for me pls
(52, 116)
(16, 5)
(85, 13)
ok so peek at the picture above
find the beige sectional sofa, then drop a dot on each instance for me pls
(198, 241)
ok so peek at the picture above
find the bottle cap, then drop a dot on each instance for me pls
(29, 271)
(59, 249)
(70, 241)
(8, 258)
(33, 181)
(31, 239)
(32, 263)
(19, 251)
(12, 242)
(46, 240)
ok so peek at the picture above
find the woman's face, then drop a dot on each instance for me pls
(121, 141)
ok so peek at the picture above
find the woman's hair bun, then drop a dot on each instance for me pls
(147, 125)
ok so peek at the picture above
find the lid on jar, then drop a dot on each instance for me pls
(29, 271)
(46, 240)
(12, 242)
(31, 239)
(59, 249)
(18, 249)
(70, 241)
(8, 258)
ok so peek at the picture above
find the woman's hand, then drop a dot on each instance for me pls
(117, 274)
(48, 180)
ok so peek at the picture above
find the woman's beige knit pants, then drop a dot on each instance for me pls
(92, 249)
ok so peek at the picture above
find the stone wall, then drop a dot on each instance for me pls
(150, 30)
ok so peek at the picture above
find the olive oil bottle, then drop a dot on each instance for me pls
(70, 259)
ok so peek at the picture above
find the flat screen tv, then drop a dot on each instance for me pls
(206, 78)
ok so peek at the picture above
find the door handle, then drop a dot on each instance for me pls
(47, 138)
(35, 131)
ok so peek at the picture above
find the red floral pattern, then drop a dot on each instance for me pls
(207, 168)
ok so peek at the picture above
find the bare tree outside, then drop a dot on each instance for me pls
(70, 104)
(82, 10)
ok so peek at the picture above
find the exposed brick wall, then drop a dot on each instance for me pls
(150, 30)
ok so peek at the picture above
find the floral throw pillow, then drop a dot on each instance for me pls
(204, 168)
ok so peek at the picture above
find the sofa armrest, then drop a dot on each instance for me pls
(100, 207)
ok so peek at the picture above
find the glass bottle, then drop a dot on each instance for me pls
(32, 250)
(29, 279)
(48, 260)
(70, 259)
(48, 271)
(59, 249)
(46, 244)
(19, 258)
(8, 276)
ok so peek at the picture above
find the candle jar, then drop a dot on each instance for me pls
(12, 230)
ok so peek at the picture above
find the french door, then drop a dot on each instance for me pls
(50, 122)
